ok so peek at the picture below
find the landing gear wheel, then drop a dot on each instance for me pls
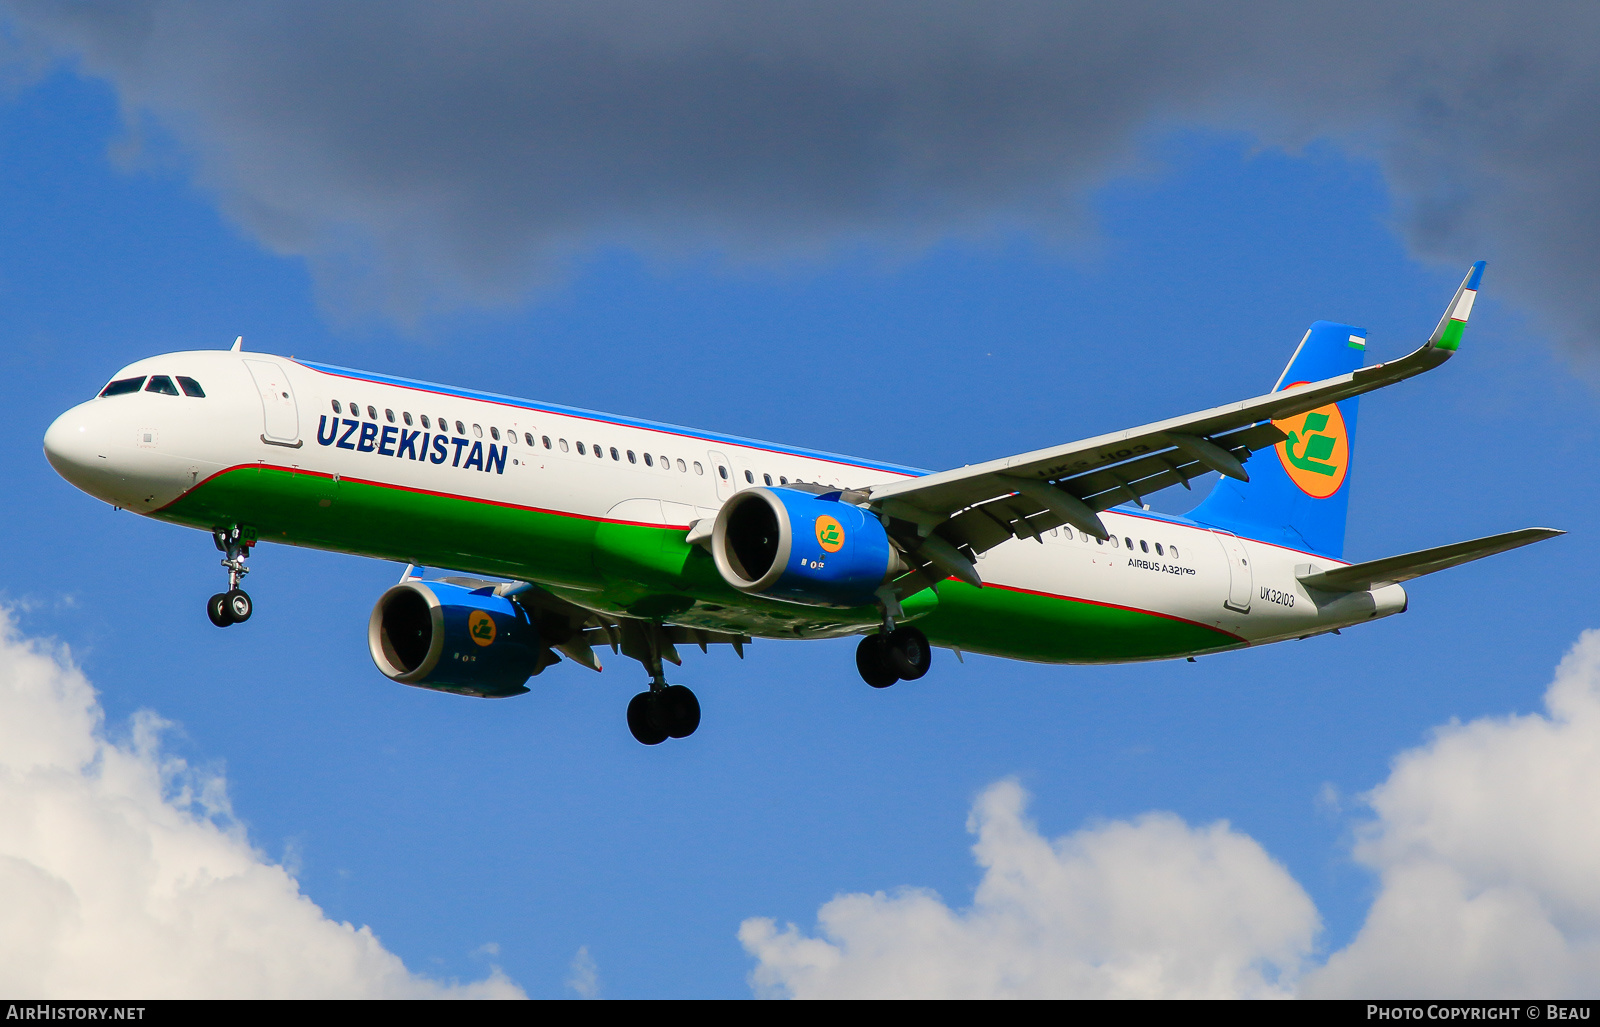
(677, 711)
(642, 719)
(909, 654)
(872, 660)
(237, 600)
(217, 610)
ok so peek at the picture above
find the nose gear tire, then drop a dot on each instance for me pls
(217, 610)
(239, 605)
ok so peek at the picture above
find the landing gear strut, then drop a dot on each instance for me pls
(665, 711)
(232, 606)
(902, 654)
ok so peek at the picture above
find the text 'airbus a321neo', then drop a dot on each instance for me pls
(611, 531)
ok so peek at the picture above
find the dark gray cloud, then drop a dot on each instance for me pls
(423, 154)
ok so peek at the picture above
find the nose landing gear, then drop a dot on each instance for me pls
(234, 605)
(902, 654)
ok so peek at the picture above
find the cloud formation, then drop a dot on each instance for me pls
(464, 153)
(123, 875)
(1484, 842)
(1151, 908)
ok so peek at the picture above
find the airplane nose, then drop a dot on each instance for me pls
(72, 445)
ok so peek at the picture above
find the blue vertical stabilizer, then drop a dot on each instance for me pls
(1299, 490)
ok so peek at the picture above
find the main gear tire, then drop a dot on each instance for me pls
(642, 719)
(872, 660)
(909, 653)
(677, 710)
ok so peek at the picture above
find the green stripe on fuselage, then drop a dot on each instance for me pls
(651, 572)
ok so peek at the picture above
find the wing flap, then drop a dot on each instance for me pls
(1392, 570)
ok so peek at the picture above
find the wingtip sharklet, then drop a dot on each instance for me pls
(1446, 337)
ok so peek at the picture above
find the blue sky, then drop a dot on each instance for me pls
(537, 825)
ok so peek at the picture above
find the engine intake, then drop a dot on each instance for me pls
(802, 548)
(451, 638)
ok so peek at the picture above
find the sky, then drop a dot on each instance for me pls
(928, 236)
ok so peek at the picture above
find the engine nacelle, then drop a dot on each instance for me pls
(785, 544)
(434, 634)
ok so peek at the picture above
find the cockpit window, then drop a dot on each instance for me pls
(162, 384)
(122, 386)
(191, 387)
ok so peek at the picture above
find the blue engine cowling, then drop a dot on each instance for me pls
(434, 634)
(802, 548)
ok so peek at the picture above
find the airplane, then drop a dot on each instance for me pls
(579, 530)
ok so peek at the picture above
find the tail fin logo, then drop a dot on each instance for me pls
(1316, 453)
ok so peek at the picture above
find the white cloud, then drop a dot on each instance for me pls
(1486, 844)
(1484, 840)
(1148, 908)
(122, 873)
(583, 976)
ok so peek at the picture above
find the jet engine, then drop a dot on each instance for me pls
(454, 638)
(787, 544)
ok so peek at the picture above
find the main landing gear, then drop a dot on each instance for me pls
(232, 606)
(665, 711)
(902, 654)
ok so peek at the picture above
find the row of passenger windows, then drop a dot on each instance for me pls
(662, 461)
(157, 383)
(1144, 546)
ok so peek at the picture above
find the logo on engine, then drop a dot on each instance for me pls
(830, 534)
(481, 627)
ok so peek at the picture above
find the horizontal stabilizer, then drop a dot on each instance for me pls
(1392, 570)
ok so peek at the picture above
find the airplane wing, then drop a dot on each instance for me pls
(943, 521)
(1391, 570)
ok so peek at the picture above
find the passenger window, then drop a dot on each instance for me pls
(749, 477)
(425, 423)
(389, 414)
(631, 458)
(666, 465)
(598, 452)
(494, 433)
(160, 383)
(477, 432)
(336, 407)
(461, 429)
(647, 461)
(1101, 542)
(191, 387)
(372, 412)
(407, 417)
(683, 469)
(1158, 550)
(563, 444)
(1113, 541)
(782, 480)
(1066, 531)
(1144, 547)
(767, 478)
(1174, 552)
(123, 386)
(580, 450)
(1128, 542)
(720, 470)
(614, 454)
